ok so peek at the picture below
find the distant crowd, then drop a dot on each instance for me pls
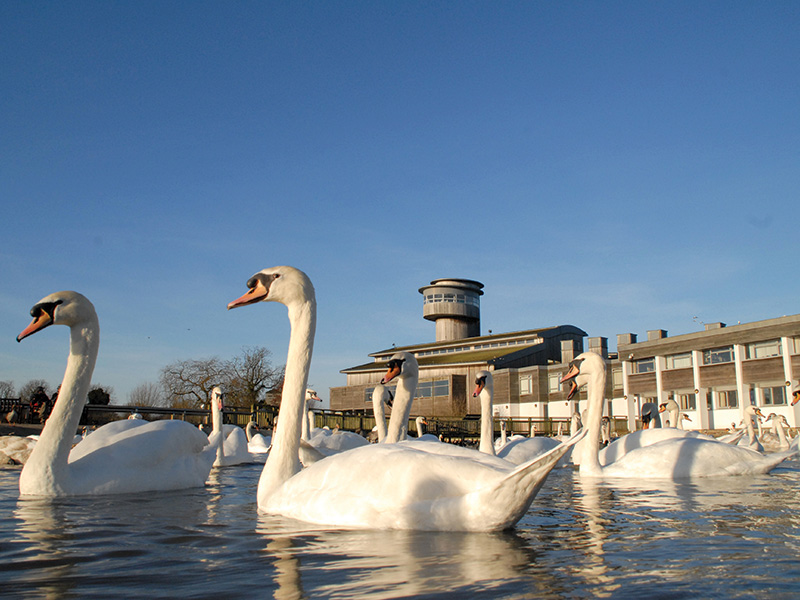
(36, 410)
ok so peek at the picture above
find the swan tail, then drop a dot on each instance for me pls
(516, 491)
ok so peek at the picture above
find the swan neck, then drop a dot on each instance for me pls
(284, 459)
(590, 461)
(487, 424)
(46, 471)
(305, 433)
(380, 416)
(398, 422)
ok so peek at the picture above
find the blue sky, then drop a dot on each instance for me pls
(618, 166)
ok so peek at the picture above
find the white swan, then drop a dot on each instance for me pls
(500, 442)
(484, 389)
(257, 443)
(672, 408)
(308, 423)
(329, 442)
(229, 441)
(776, 440)
(678, 458)
(651, 418)
(124, 456)
(751, 413)
(403, 367)
(15, 449)
(360, 488)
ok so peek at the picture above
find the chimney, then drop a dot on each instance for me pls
(570, 349)
(656, 334)
(717, 325)
(623, 339)
(599, 345)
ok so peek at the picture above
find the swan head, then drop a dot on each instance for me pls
(582, 370)
(383, 394)
(312, 395)
(61, 308)
(401, 364)
(753, 411)
(483, 379)
(217, 397)
(286, 285)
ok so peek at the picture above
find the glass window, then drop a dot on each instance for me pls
(429, 389)
(764, 349)
(646, 365)
(525, 385)
(687, 401)
(424, 389)
(616, 378)
(718, 355)
(727, 399)
(679, 361)
(553, 384)
(774, 396)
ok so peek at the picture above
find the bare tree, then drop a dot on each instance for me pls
(7, 389)
(249, 376)
(146, 394)
(188, 383)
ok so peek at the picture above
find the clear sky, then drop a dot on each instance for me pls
(618, 166)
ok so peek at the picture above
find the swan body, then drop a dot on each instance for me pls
(124, 456)
(329, 442)
(522, 449)
(360, 488)
(676, 458)
(15, 449)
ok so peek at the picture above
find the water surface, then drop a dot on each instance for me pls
(724, 538)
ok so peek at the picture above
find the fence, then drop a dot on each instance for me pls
(464, 430)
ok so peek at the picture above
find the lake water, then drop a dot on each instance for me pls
(724, 538)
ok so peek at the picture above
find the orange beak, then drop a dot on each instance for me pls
(42, 320)
(479, 388)
(570, 376)
(255, 294)
(393, 372)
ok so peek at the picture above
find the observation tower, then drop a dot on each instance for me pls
(455, 306)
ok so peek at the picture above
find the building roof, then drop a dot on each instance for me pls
(485, 352)
(712, 338)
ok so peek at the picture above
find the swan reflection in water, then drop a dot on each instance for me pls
(391, 563)
(46, 531)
